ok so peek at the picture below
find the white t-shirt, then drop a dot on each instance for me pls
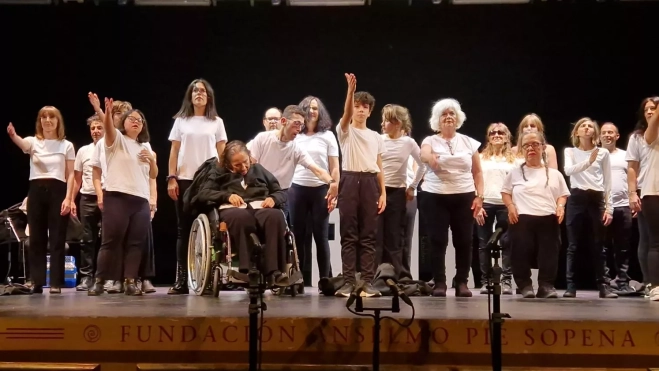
(638, 150)
(454, 175)
(534, 196)
(619, 188)
(319, 146)
(83, 165)
(199, 137)
(279, 158)
(651, 183)
(125, 172)
(586, 176)
(99, 160)
(395, 159)
(495, 170)
(360, 149)
(48, 158)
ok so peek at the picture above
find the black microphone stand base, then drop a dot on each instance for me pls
(255, 289)
(395, 308)
(497, 318)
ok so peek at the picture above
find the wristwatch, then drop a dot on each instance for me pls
(172, 177)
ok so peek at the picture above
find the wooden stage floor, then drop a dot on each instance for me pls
(317, 330)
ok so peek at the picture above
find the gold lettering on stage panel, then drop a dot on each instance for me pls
(326, 336)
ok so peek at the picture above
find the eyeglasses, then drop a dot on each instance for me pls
(497, 132)
(297, 124)
(199, 90)
(134, 120)
(534, 145)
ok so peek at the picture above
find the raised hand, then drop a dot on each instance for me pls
(10, 130)
(352, 82)
(108, 108)
(95, 102)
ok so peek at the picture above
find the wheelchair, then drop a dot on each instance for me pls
(212, 263)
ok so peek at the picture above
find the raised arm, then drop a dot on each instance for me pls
(96, 104)
(23, 144)
(108, 125)
(653, 128)
(350, 102)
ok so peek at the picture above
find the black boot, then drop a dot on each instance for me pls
(605, 291)
(130, 287)
(181, 285)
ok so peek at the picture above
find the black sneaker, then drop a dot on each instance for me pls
(546, 292)
(345, 290)
(369, 291)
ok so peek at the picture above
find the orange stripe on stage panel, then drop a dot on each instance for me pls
(327, 336)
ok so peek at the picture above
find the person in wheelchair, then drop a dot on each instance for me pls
(249, 199)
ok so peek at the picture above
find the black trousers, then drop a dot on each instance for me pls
(358, 209)
(268, 224)
(126, 221)
(308, 213)
(585, 208)
(148, 264)
(389, 246)
(406, 237)
(47, 230)
(534, 240)
(183, 225)
(650, 205)
(441, 212)
(90, 217)
(618, 234)
(643, 241)
(500, 213)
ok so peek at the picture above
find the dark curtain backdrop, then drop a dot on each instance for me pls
(561, 61)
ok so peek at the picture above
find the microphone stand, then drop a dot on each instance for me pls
(497, 318)
(256, 289)
(395, 308)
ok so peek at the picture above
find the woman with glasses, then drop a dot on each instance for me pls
(126, 213)
(306, 196)
(497, 160)
(453, 188)
(589, 169)
(198, 134)
(535, 196)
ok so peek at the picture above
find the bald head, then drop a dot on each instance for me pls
(272, 119)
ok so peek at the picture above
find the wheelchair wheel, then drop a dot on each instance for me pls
(199, 255)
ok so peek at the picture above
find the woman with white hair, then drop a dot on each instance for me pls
(454, 193)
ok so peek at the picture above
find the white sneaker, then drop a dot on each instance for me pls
(654, 294)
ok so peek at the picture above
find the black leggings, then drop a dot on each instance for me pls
(126, 220)
(441, 212)
(183, 225)
(650, 205)
(47, 230)
(308, 210)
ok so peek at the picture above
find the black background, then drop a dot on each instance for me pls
(561, 61)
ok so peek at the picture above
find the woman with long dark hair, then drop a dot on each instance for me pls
(198, 134)
(650, 205)
(52, 160)
(637, 157)
(126, 212)
(589, 169)
(453, 189)
(497, 160)
(306, 196)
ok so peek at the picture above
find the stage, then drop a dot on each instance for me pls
(162, 332)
